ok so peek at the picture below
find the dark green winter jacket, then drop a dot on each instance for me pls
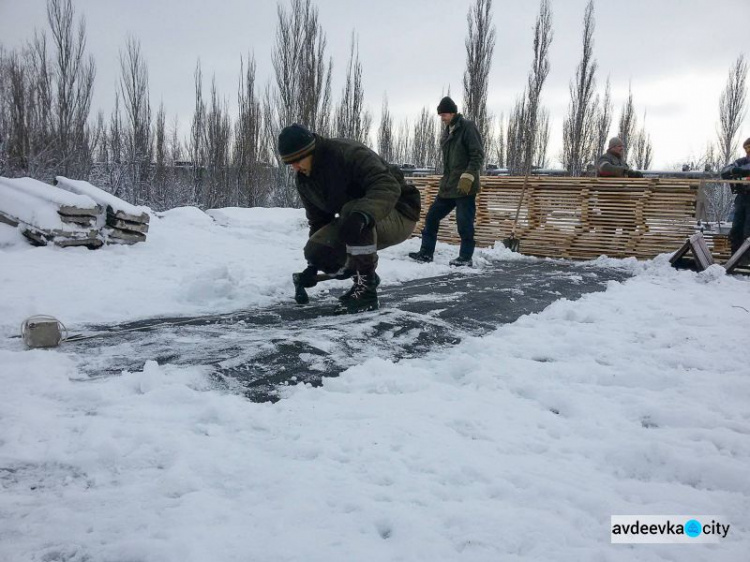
(345, 170)
(611, 165)
(462, 152)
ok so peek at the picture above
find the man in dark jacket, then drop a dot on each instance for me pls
(355, 203)
(462, 160)
(739, 169)
(611, 164)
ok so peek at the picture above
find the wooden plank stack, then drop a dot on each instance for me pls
(582, 218)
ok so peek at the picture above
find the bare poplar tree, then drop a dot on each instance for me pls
(480, 44)
(352, 120)
(579, 127)
(40, 156)
(435, 157)
(218, 134)
(4, 110)
(385, 134)
(627, 124)
(324, 120)
(159, 198)
(301, 92)
(115, 167)
(423, 139)
(17, 125)
(732, 106)
(73, 75)
(542, 139)
(603, 122)
(175, 145)
(99, 140)
(643, 151)
(403, 142)
(179, 183)
(248, 147)
(524, 136)
(197, 145)
(515, 136)
(499, 143)
(137, 134)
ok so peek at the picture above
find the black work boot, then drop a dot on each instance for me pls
(421, 256)
(346, 296)
(363, 296)
(461, 262)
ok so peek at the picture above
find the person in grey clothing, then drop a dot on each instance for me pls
(611, 164)
(739, 169)
(463, 154)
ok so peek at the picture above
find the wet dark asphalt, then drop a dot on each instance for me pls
(257, 351)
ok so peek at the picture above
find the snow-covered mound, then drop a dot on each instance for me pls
(518, 445)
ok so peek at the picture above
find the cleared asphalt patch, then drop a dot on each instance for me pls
(260, 350)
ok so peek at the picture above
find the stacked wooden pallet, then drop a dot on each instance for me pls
(124, 224)
(581, 218)
(46, 215)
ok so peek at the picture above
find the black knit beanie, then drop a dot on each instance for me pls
(295, 142)
(447, 105)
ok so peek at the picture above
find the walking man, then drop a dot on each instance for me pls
(463, 155)
(355, 203)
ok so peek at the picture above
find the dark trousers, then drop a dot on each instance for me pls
(741, 221)
(466, 210)
(326, 252)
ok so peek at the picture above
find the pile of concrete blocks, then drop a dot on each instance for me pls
(47, 215)
(124, 223)
(70, 213)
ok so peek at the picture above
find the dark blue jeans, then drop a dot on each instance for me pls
(741, 221)
(466, 210)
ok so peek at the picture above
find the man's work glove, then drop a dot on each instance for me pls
(301, 280)
(352, 228)
(306, 277)
(465, 183)
(633, 174)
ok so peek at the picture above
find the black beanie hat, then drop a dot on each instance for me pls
(295, 142)
(447, 105)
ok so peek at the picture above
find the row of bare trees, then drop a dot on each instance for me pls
(226, 160)
(45, 99)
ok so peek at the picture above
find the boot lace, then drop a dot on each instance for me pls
(360, 286)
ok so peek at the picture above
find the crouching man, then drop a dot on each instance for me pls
(355, 203)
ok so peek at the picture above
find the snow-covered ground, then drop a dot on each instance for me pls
(518, 445)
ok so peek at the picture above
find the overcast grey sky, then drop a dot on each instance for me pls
(675, 53)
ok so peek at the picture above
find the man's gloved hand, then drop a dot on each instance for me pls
(352, 228)
(465, 183)
(633, 173)
(306, 278)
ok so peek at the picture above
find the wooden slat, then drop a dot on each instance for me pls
(582, 218)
